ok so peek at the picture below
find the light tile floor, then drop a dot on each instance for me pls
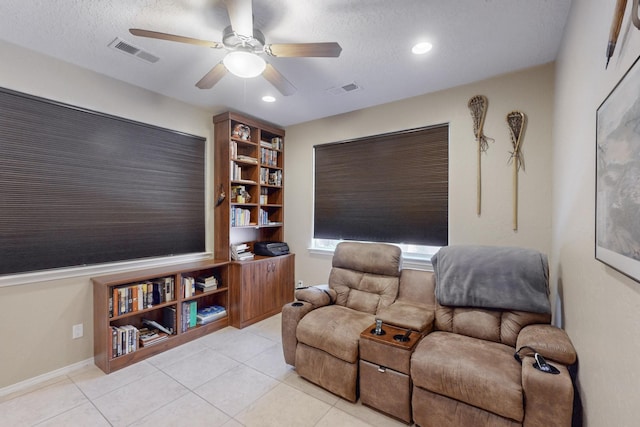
(233, 377)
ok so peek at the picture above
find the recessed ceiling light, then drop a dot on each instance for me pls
(268, 98)
(421, 48)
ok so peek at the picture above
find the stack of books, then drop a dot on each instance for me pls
(149, 337)
(209, 314)
(245, 158)
(241, 252)
(205, 284)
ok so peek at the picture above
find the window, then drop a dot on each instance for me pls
(386, 188)
(81, 188)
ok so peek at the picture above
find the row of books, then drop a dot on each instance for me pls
(191, 316)
(127, 339)
(270, 177)
(241, 252)
(235, 171)
(268, 157)
(188, 315)
(139, 296)
(188, 286)
(124, 340)
(240, 217)
(263, 218)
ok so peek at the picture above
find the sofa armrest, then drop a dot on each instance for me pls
(318, 296)
(551, 342)
(407, 315)
(548, 398)
(291, 315)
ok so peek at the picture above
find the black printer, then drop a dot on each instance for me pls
(270, 248)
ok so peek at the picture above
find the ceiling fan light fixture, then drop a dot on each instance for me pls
(244, 64)
(421, 48)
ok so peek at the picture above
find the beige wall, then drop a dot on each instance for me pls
(530, 91)
(601, 306)
(36, 318)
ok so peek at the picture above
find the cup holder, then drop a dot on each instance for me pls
(297, 304)
(401, 338)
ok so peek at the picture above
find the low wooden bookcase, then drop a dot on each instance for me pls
(107, 312)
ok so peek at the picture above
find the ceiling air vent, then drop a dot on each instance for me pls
(341, 90)
(129, 49)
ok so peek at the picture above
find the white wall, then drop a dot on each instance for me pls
(36, 318)
(601, 306)
(530, 91)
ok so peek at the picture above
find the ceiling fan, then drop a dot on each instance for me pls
(246, 45)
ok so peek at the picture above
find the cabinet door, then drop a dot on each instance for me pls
(253, 281)
(286, 279)
(265, 286)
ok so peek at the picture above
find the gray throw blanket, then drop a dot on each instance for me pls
(505, 278)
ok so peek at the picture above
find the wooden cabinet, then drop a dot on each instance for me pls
(249, 171)
(260, 288)
(157, 294)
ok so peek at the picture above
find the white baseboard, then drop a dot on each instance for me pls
(44, 377)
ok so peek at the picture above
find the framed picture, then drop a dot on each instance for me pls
(618, 176)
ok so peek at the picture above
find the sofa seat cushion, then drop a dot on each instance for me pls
(334, 329)
(483, 374)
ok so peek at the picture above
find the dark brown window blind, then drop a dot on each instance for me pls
(79, 187)
(384, 188)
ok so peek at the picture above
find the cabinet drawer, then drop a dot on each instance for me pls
(386, 390)
(395, 358)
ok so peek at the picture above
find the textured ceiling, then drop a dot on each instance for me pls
(473, 40)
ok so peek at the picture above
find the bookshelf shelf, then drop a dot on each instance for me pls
(256, 291)
(111, 331)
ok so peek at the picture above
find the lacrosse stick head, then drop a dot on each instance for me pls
(516, 121)
(478, 108)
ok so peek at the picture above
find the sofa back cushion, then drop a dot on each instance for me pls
(417, 287)
(365, 276)
(501, 326)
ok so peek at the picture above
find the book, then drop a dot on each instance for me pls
(193, 311)
(170, 325)
(209, 314)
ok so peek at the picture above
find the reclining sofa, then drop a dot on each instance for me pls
(482, 320)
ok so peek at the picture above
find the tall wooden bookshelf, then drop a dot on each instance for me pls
(108, 312)
(249, 170)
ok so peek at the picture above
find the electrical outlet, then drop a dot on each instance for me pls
(300, 284)
(77, 331)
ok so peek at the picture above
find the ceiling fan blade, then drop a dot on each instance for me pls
(274, 77)
(241, 16)
(173, 38)
(212, 77)
(283, 50)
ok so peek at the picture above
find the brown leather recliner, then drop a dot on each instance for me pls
(464, 373)
(321, 331)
